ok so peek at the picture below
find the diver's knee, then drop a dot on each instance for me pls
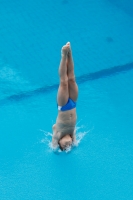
(64, 82)
(72, 80)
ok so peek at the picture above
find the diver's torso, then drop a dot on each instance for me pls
(66, 121)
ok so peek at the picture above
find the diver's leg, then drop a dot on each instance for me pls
(72, 86)
(63, 94)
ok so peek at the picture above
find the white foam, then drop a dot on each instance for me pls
(81, 131)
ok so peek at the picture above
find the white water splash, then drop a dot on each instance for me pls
(81, 131)
(47, 137)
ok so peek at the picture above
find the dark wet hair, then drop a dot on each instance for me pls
(60, 146)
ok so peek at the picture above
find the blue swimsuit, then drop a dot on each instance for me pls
(68, 106)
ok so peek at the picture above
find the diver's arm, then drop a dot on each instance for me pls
(54, 138)
(54, 142)
(74, 137)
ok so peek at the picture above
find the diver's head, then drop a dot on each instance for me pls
(65, 142)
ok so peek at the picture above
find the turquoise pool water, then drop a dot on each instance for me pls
(31, 36)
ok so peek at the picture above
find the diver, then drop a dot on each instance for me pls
(64, 130)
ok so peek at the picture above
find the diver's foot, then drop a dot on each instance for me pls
(69, 49)
(65, 49)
